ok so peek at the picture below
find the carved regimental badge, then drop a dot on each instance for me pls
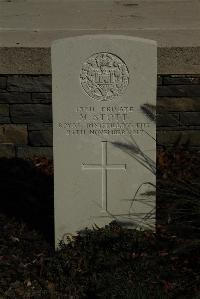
(104, 76)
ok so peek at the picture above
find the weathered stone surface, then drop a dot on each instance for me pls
(15, 97)
(4, 113)
(159, 80)
(7, 150)
(167, 119)
(25, 97)
(180, 80)
(178, 60)
(41, 138)
(30, 152)
(40, 126)
(190, 119)
(166, 137)
(42, 97)
(4, 109)
(179, 91)
(3, 82)
(178, 104)
(92, 89)
(4, 120)
(16, 134)
(25, 60)
(32, 60)
(29, 83)
(30, 113)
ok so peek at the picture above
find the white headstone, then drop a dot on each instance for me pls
(104, 142)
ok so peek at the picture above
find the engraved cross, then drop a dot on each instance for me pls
(104, 167)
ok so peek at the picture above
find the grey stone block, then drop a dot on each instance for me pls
(4, 109)
(178, 60)
(30, 152)
(167, 119)
(159, 80)
(30, 113)
(25, 60)
(3, 82)
(164, 129)
(40, 126)
(166, 137)
(4, 113)
(7, 150)
(15, 97)
(178, 104)
(29, 83)
(181, 79)
(5, 120)
(178, 91)
(16, 134)
(40, 97)
(41, 138)
(190, 118)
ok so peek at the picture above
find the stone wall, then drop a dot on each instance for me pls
(26, 113)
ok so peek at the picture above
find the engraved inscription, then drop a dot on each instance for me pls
(104, 167)
(104, 76)
(103, 121)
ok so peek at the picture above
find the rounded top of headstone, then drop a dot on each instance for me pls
(104, 37)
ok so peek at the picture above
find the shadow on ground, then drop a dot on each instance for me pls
(27, 194)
